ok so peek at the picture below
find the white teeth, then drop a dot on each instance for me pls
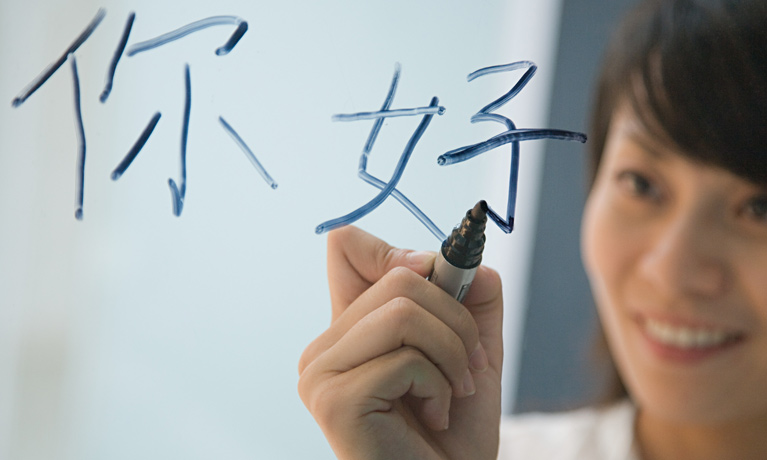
(684, 337)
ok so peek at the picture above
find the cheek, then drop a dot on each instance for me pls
(749, 273)
(607, 250)
(600, 245)
(609, 254)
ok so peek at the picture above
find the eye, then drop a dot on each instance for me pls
(638, 185)
(756, 208)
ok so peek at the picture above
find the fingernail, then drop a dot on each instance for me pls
(447, 420)
(478, 359)
(468, 384)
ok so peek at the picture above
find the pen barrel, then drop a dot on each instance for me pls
(451, 279)
(461, 254)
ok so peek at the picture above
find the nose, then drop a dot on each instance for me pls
(687, 257)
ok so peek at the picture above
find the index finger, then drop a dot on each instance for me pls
(357, 259)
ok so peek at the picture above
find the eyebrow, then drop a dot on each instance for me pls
(648, 145)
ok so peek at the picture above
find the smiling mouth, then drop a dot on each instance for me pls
(688, 338)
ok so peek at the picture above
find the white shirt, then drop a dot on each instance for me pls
(593, 433)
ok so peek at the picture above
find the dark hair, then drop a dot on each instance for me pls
(694, 73)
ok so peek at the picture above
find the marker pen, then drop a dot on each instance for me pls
(461, 254)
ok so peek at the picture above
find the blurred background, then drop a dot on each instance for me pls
(138, 334)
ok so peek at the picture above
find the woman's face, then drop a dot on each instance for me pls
(676, 252)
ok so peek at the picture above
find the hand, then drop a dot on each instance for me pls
(404, 370)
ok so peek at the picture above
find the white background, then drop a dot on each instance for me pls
(137, 334)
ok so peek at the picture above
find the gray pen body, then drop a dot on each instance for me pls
(461, 253)
(453, 280)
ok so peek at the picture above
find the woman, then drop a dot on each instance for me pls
(675, 246)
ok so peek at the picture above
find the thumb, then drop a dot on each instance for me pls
(357, 259)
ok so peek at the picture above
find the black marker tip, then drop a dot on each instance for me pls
(479, 212)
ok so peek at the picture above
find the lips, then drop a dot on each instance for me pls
(683, 342)
(687, 337)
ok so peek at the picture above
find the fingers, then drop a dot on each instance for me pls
(402, 322)
(485, 303)
(371, 390)
(409, 292)
(485, 289)
(357, 259)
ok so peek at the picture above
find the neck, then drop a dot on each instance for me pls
(664, 440)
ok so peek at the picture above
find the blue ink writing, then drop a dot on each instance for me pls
(178, 193)
(390, 188)
(242, 27)
(388, 113)
(80, 170)
(370, 179)
(248, 153)
(512, 136)
(133, 152)
(116, 58)
(177, 189)
(52, 68)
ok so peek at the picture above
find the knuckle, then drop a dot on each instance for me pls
(322, 394)
(310, 353)
(401, 312)
(384, 255)
(305, 386)
(468, 329)
(410, 356)
(401, 279)
(306, 358)
(459, 361)
(324, 402)
(302, 387)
